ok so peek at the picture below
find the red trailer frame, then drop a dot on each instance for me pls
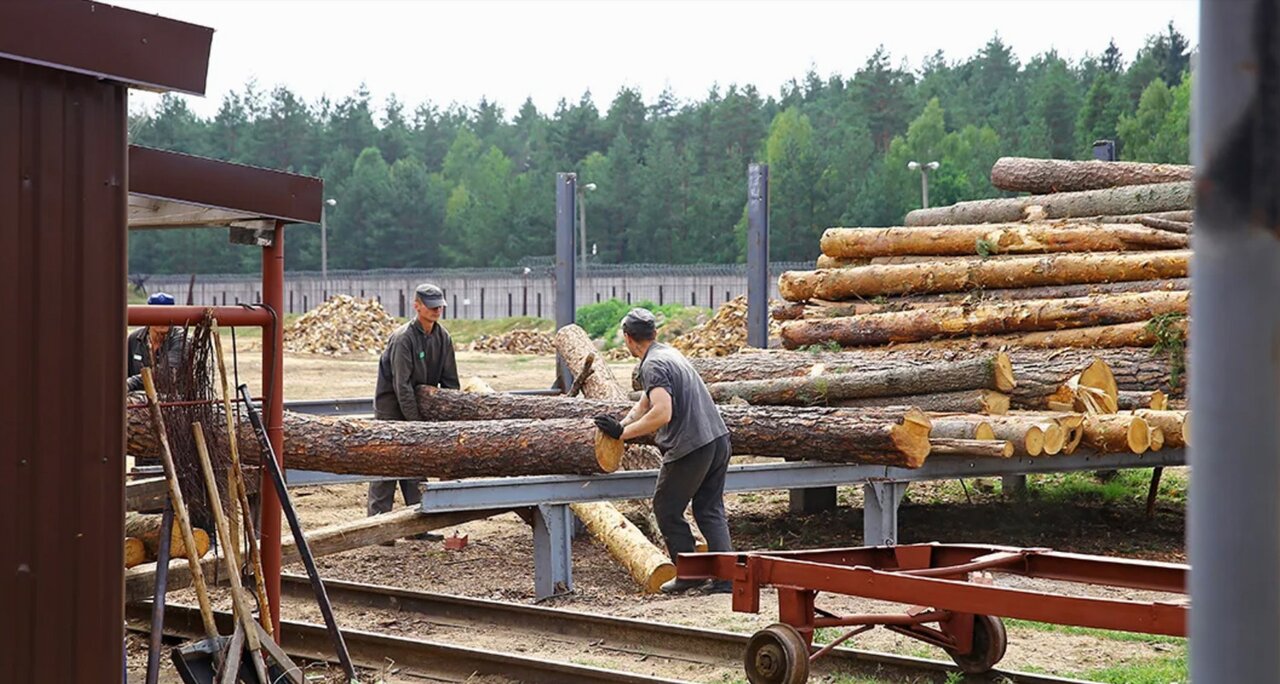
(938, 581)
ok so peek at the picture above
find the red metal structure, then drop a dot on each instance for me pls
(65, 71)
(938, 580)
(168, 189)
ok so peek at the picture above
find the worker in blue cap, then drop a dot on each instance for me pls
(152, 342)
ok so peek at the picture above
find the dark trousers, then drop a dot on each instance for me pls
(698, 477)
(382, 494)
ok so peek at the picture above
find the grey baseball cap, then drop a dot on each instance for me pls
(639, 320)
(430, 295)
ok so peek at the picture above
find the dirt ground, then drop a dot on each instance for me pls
(498, 562)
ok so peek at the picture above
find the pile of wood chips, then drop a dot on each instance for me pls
(342, 325)
(515, 342)
(724, 334)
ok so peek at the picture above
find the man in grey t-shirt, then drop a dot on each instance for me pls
(692, 437)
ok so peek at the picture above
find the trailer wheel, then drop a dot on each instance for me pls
(777, 654)
(989, 643)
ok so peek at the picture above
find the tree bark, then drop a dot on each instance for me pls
(1094, 338)
(1041, 375)
(760, 365)
(1129, 400)
(890, 435)
(146, 529)
(1007, 238)
(1135, 199)
(1116, 433)
(648, 566)
(961, 427)
(950, 276)
(981, 372)
(965, 401)
(983, 319)
(416, 449)
(1164, 224)
(1132, 368)
(981, 448)
(1041, 176)
(816, 309)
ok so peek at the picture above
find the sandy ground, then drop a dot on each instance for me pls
(498, 562)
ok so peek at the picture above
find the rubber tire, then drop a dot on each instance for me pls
(989, 643)
(777, 654)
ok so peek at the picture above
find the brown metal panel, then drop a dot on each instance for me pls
(212, 183)
(138, 49)
(62, 274)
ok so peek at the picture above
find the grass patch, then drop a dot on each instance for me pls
(1095, 633)
(1128, 486)
(466, 331)
(1168, 670)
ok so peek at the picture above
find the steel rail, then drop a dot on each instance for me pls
(623, 635)
(410, 657)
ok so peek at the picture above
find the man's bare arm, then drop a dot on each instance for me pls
(658, 414)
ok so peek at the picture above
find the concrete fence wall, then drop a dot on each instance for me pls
(480, 293)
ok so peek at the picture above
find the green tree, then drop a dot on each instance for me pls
(793, 173)
(1160, 130)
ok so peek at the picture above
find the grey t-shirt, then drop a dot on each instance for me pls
(695, 420)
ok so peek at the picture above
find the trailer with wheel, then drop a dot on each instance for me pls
(954, 602)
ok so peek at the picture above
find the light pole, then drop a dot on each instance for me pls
(582, 223)
(924, 170)
(324, 238)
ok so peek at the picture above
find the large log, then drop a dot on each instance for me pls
(344, 536)
(986, 318)
(1047, 373)
(951, 276)
(1041, 176)
(1095, 337)
(1129, 400)
(890, 435)
(146, 528)
(1123, 200)
(981, 448)
(1132, 368)
(981, 372)
(792, 311)
(759, 365)
(648, 566)
(966, 401)
(416, 449)
(1006, 238)
(1116, 433)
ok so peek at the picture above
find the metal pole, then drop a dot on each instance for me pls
(273, 408)
(324, 244)
(757, 255)
(566, 197)
(582, 229)
(1233, 531)
(924, 188)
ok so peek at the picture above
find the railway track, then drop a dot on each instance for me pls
(633, 644)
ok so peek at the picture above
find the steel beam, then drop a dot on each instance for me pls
(880, 512)
(565, 276)
(1234, 514)
(552, 550)
(757, 255)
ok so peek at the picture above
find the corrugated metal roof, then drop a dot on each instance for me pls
(62, 274)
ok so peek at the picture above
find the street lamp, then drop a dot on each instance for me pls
(924, 170)
(324, 238)
(582, 222)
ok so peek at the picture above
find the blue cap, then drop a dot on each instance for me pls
(161, 298)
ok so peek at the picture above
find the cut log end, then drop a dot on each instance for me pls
(984, 431)
(661, 575)
(1033, 441)
(1099, 376)
(1005, 381)
(135, 552)
(1156, 438)
(1139, 438)
(609, 452)
(1055, 439)
(912, 437)
(1159, 401)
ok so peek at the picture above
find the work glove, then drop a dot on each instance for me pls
(609, 425)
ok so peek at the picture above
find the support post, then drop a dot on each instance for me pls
(1233, 530)
(566, 308)
(757, 255)
(880, 512)
(273, 414)
(552, 550)
(1014, 486)
(813, 499)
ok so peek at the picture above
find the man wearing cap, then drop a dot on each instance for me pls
(418, 353)
(155, 341)
(692, 436)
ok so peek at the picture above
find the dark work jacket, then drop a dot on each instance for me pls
(413, 358)
(138, 350)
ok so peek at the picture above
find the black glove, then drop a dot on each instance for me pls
(609, 425)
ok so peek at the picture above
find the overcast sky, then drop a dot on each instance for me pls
(447, 51)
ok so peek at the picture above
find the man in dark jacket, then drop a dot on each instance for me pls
(692, 437)
(419, 353)
(147, 344)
